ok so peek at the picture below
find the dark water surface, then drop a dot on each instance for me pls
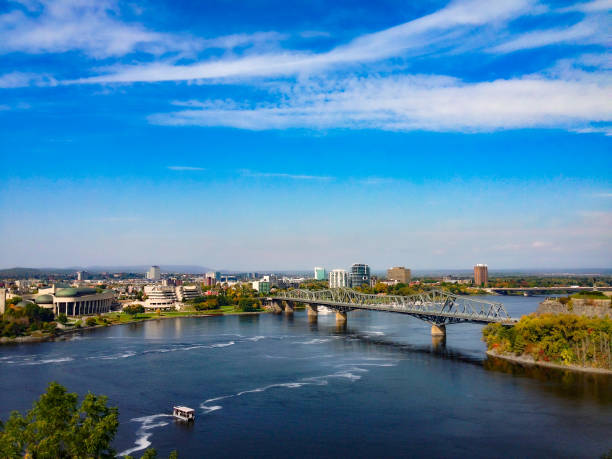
(278, 386)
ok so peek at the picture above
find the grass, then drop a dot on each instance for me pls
(119, 317)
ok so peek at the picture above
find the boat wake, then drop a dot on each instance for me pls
(147, 423)
(351, 371)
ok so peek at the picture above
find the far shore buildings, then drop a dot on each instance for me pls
(154, 273)
(399, 274)
(360, 275)
(169, 297)
(319, 273)
(77, 301)
(338, 278)
(481, 275)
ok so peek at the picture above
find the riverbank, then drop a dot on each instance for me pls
(530, 361)
(124, 319)
(561, 340)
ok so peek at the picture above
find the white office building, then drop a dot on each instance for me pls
(160, 297)
(188, 292)
(338, 278)
(154, 273)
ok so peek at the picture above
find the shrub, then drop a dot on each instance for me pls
(91, 321)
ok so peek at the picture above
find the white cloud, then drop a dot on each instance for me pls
(589, 31)
(185, 168)
(444, 28)
(249, 173)
(21, 79)
(91, 26)
(415, 102)
(588, 7)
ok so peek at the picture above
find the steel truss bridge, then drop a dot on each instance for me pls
(436, 307)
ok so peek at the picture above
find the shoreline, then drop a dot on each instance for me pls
(61, 333)
(523, 360)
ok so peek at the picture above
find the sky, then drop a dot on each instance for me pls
(284, 135)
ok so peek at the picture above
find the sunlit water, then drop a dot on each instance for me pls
(278, 386)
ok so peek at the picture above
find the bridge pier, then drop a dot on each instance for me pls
(438, 330)
(340, 318)
(312, 311)
(289, 308)
(275, 307)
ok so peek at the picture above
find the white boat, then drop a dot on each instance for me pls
(183, 413)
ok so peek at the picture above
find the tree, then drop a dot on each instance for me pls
(14, 300)
(134, 309)
(56, 427)
(62, 319)
(248, 304)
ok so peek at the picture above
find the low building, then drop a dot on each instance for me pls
(77, 301)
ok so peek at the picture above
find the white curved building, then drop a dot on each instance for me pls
(159, 297)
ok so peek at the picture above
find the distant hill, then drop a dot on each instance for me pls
(21, 273)
(191, 269)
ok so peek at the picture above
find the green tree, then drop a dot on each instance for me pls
(56, 427)
(62, 319)
(134, 309)
(14, 300)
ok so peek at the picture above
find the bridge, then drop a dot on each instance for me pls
(535, 290)
(436, 307)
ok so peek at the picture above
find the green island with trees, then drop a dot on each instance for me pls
(58, 427)
(566, 340)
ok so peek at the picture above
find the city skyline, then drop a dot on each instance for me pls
(434, 135)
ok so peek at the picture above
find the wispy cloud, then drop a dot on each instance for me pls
(186, 168)
(442, 29)
(249, 173)
(405, 102)
(119, 219)
(605, 194)
(21, 79)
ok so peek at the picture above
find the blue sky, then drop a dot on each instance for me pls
(283, 135)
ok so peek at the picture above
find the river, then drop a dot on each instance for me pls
(277, 386)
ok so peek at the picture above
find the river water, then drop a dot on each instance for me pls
(277, 386)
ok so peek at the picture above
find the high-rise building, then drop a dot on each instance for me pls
(319, 273)
(154, 273)
(360, 275)
(79, 275)
(481, 275)
(399, 274)
(338, 278)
